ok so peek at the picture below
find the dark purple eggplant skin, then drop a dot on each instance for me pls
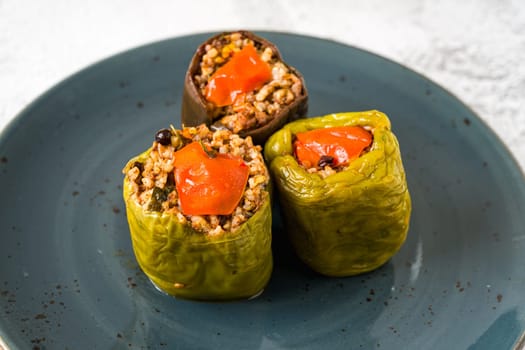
(197, 110)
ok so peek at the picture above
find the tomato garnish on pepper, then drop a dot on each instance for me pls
(244, 72)
(337, 146)
(208, 185)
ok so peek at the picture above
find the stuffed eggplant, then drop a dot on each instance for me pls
(239, 81)
(199, 213)
(342, 189)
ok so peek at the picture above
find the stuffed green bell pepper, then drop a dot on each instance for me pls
(199, 213)
(342, 190)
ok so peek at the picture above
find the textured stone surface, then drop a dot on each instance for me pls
(475, 49)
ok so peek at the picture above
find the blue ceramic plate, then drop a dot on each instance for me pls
(69, 279)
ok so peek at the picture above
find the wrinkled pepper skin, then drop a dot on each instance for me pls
(353, 221)
(185, 263)
(196, 110)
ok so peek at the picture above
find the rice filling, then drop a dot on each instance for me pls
(153, 182)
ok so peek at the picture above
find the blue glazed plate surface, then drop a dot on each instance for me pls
(69, 279)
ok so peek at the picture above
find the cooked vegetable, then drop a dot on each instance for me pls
(333, 146)
(209, 185)
(342, 219)
(243, 73)
(238, 81)
(199, 214)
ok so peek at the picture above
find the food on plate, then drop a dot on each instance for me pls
(342, 189)
(239, 81)
(199, 213)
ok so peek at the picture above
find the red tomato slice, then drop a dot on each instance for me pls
(341, 144)
(244, 72)
(209, 186)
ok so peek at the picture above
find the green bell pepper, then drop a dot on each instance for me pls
(352, 221)
(188, 264)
